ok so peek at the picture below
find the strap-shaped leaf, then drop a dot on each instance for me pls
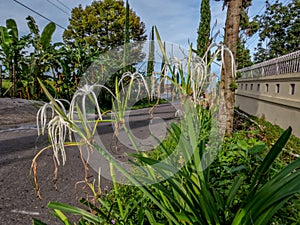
(74, 210)
(47, 34)
(4, 36)
(32, 26)
(13, 29)
(62, 217)
(37, 222)
(269, 159)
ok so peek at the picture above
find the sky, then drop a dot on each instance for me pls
(177, 20)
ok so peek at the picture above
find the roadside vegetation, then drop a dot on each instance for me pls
(253, 179)
(193, 176)
(61, 65)
(197, 175)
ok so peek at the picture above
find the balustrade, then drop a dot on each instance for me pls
(286, 64)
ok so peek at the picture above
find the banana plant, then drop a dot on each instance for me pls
(43, 54)
(12, 52)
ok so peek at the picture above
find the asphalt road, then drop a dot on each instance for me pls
(18, 199)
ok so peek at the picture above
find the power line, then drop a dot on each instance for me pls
(64, 5)
(32, 10)
(254, 40)
(255, 37)
(286, 2)
(56, 6)
(258, 13)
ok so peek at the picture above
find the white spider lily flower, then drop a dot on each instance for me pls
(84, 92)
(199, 76)
(135, 76)
(58, 129)
(178, 64)
(42, 114)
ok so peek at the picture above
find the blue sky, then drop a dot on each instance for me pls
(177, 20)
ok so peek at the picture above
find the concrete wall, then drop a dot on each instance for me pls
(277, 98)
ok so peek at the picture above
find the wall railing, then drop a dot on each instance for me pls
(286, 64)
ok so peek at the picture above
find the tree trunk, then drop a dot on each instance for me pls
(14, 83)
(231, 41)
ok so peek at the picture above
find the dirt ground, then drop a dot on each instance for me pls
(19, 144)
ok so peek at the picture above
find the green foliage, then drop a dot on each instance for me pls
(177, 184)
(265, 135)
(145, 103)
(244, 185)
(150, 61)
(13, 29)
(37, 222)
(46, 35)
(12, 53)
(62, 65)
(101, 26)
(27, 58)
(280, 27)
(238, 75)
(243, 55)
(127, 24)
(233, 86)
(203, 40)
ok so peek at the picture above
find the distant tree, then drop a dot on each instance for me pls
(243, 57)
(279, 30)
(247, 29)
(203, 40)
(150, 61)
(101, 25)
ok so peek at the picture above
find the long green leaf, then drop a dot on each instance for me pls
(164, 55)
(151, 218)
(62, 217)
(94, 208)
(232, 193)
(37, 222)
(132, 179)
(32, 26)
(13, 29)
(268, 161)
(74, 210)
(47, 34)
(262, 206)
(5, 41)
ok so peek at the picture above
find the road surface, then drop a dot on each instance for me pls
(18, 199)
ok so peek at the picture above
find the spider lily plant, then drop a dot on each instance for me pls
(134, 83)
(124, 98)
(178, 184)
